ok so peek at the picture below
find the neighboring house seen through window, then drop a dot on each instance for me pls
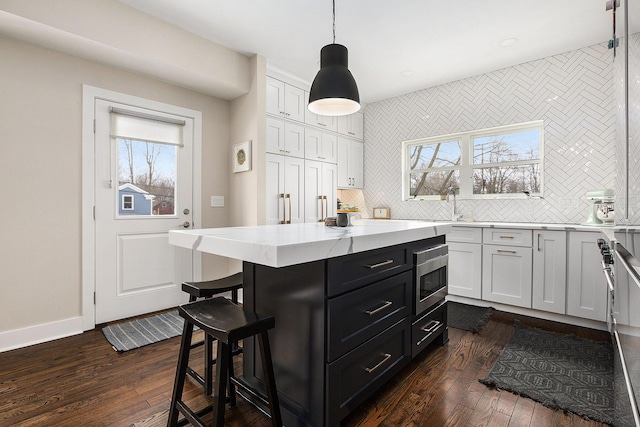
(498, 162)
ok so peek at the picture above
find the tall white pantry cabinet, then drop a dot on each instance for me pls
(307, 155)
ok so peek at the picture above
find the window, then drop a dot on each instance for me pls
(127, 202)
(497, 162)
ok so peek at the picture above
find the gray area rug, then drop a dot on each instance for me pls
(467, 317)
(140, 332)
(559, 371)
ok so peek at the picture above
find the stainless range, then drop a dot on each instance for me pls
(622, 274)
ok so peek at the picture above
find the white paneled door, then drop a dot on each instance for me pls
(143, 189)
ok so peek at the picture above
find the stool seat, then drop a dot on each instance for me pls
(226, 322)
(210, 288)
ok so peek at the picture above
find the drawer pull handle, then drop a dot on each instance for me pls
(382, 307)
(506, 237)
(506, 252)
(429, 327)
(380, 264)
(387, 356)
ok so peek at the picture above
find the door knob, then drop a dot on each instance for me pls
(185, 224)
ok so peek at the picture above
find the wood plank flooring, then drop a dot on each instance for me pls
(81, 381)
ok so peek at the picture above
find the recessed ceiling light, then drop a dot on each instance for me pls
(508, 42)
(407, 73)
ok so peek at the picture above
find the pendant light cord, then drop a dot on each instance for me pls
(334, 21)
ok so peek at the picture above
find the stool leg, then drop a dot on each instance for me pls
(269, 379)
(208, 364)
(222, 374)
(181, 373)
(234, 296)
(232, 387)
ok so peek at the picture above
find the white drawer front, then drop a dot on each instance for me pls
(508, 237)
(465, 235)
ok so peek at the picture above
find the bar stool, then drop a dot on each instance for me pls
(228, 323)
(208, 289)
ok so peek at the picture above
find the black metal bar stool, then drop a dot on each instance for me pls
(208, 289)
(228, 323)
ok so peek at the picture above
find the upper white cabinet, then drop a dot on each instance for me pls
(586, 286)
(320, 146)
(506, 267)
(285, 138)
(465, 262)
(350, 163)
(352, 125)
(323, 122)
(549, 270)
(285, 100)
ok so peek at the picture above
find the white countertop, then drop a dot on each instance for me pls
(284, 245)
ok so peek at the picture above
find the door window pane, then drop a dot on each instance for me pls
(146, 177)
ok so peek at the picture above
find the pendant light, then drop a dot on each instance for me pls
(334, 91)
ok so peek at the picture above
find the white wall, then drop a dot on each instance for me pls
(40, 168)
(572, 93)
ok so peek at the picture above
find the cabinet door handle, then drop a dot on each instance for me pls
(288, 196)
(323, 200)
(539, 249)
(284, 207)
(506, 237)
(506, 252)
(382, 307)
(429, 327)
(387, 356)
(380, 264)
(326, 207)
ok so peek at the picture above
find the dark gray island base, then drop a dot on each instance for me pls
(344, 327)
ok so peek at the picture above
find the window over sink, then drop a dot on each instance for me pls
(500, 162)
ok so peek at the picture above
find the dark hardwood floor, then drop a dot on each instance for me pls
(81, 381)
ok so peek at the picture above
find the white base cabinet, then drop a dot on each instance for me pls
(586, 287)
(465, 269)
(506, 275)
(549, 270)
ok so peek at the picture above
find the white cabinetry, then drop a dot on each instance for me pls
(320, 146)
(285, 100)
(319, 190)
(350, 163)
(506, 267)
(586, 290)
(285, 189)
(285, 138)
(324, 122)
(352, 125)
(549, 270)
(465, 262)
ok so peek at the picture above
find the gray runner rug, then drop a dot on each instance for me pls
(140, 332)
(559, 371)
(468, 317)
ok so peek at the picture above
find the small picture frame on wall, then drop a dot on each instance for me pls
(242, 156)
(381, 213)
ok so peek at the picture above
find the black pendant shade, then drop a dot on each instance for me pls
(334, 91)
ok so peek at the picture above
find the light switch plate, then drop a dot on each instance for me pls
(217, 201)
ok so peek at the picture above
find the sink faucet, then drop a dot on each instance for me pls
(451, 191)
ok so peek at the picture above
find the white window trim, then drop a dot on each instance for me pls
(466, 168)
(124, 207)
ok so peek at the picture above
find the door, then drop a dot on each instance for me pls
(143, 189)
(506, 275)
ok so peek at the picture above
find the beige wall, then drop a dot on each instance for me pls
(41, 172)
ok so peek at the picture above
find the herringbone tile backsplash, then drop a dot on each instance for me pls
(572, 93)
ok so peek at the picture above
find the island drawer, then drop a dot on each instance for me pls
(429, 327)
(358, 316)
(354, 271)
(356, 375)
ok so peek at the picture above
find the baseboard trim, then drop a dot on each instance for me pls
(19, 338)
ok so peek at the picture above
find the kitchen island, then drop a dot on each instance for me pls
(344, 303)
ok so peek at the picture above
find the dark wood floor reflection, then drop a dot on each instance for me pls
(81, 381)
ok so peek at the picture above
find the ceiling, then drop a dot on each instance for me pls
(395, 46)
